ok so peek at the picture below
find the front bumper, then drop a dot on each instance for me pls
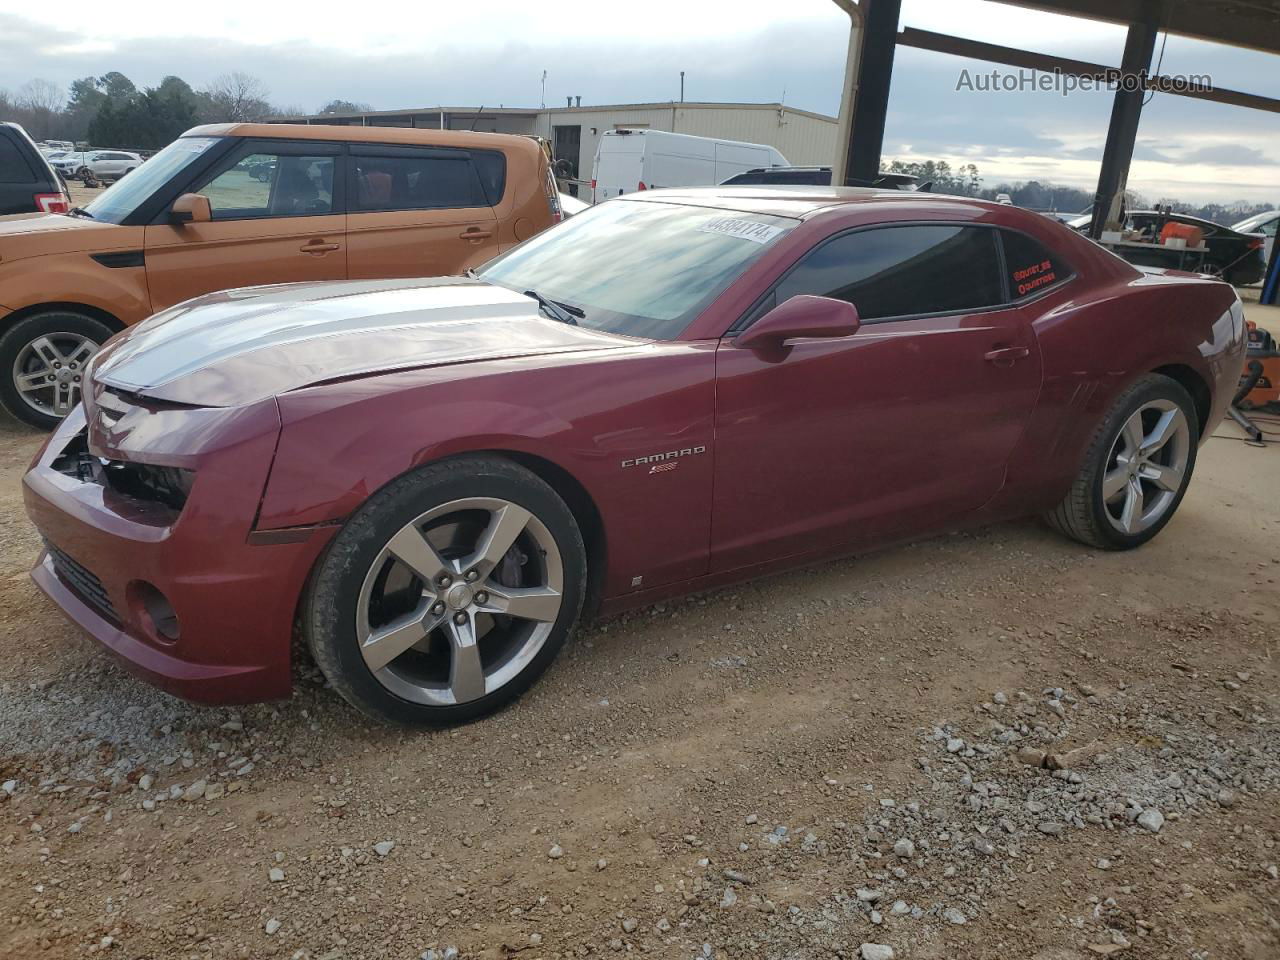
(109, 555)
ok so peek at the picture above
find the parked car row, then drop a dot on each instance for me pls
(96, 164)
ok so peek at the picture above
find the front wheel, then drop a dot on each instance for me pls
(1136, 469)
(42, 361)
(448, 593)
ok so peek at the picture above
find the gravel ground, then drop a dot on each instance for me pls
(993, 744)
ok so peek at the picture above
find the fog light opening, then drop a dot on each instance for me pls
(156, 612)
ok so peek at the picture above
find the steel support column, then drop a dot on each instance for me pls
(871, 95)
(1126, 110)
(850, 91)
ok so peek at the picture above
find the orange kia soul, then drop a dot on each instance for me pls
(236, 205)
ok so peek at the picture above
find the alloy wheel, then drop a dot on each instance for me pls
(459, 601)
(48, 371)
(1146, 467)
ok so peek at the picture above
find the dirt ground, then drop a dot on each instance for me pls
(787, 770)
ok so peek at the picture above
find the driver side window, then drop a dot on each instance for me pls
(272, 185)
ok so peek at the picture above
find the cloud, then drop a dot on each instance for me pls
(1207, 151)
(1233, 155)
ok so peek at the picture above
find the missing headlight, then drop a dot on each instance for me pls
(144, 481)
(166, 486)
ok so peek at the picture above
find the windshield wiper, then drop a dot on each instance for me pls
(471, 274)
(80, 212)
(563, 312)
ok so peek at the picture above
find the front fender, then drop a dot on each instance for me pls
(592, 417)
(323, 472)
(120, 292)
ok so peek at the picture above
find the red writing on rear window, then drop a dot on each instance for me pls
(1037, 275)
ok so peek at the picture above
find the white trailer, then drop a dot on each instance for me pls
(630, 160)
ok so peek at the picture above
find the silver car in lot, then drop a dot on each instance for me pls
(103, 164)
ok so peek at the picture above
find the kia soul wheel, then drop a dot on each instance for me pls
(1136, 470)
(449, 592)
(42, 364)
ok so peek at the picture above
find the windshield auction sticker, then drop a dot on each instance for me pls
(194, 144)
(743, 229)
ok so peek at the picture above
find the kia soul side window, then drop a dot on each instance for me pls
(903, 271)
(270, 185)
(408, 179)
(1030, 266)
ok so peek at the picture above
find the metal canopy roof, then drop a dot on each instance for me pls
(1240, 23)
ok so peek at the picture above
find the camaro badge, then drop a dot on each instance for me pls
(662, 462)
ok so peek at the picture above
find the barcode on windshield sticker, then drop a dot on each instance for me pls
(743, 229)
(194, 144)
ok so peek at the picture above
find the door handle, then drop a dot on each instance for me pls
(1004, 356)
(318, 246)
(475, 234)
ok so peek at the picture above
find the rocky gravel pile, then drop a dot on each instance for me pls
(1027, 771)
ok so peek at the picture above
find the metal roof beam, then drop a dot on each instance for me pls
(1239, 23)
(1027, 59)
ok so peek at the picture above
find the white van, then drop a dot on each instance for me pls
(630, 160)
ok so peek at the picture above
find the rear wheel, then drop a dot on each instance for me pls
(448, 594)
(42, 360)
(1136, 470)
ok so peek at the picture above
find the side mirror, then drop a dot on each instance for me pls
(191, 208)
(801, 316)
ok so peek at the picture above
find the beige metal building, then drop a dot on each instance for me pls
(802, 137)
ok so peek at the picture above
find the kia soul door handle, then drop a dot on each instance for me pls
(318, 246)
(475, 234)
(1004, 356)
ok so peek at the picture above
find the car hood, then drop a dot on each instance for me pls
(240, 346)
(57, 233)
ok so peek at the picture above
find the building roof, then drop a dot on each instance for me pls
(487, 110)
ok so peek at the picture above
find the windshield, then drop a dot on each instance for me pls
(1255, 223)
(125, 195)
(642, 269)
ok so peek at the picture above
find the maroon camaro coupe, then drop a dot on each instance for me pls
(674, 390)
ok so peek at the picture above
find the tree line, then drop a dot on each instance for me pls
(111, 111)
(965, 181)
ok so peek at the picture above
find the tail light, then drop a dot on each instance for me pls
(1256, 243)
(642, 186)
(52, 202)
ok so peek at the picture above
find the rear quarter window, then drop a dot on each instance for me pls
(14, 167)
(1031, 267)
(428, 178)
(492, 169)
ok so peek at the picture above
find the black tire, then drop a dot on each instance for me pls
(1082, 513)
(330, 605)
(48, 323)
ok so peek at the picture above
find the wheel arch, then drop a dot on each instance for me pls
(580, 503)
(97, 313)
(1191, 381)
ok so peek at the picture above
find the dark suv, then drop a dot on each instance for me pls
(27, 182)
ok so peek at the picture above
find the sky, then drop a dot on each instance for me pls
(412, 53)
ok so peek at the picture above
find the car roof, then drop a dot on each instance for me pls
(798, 201)
(353, 134)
